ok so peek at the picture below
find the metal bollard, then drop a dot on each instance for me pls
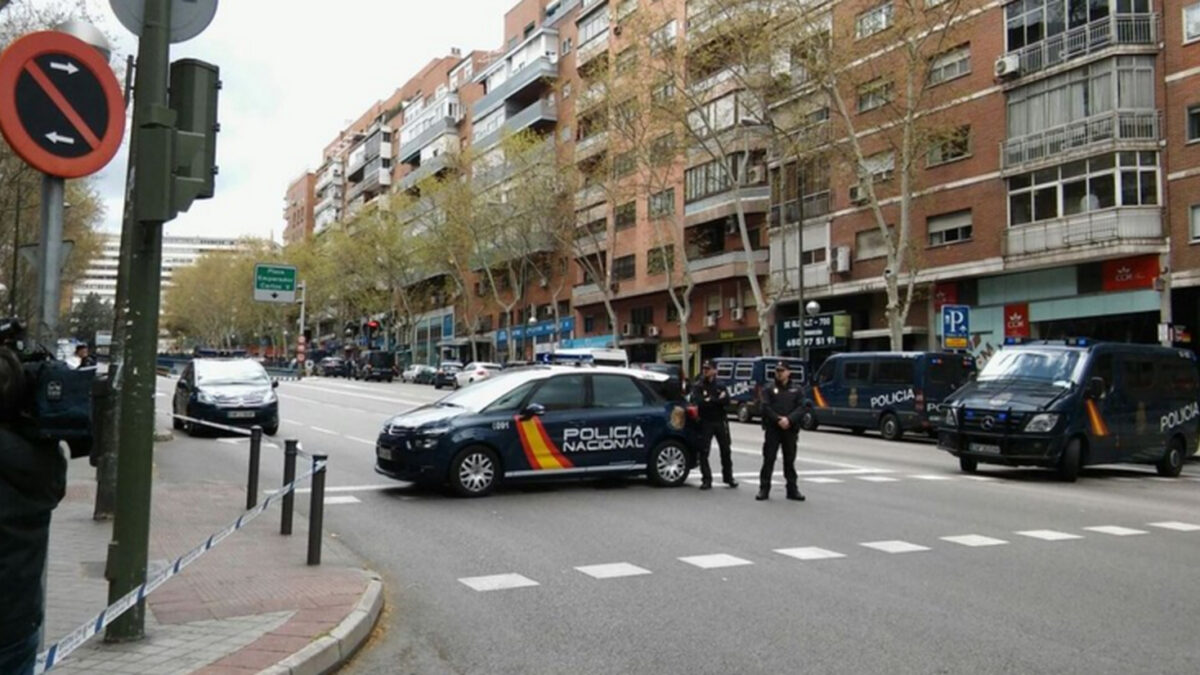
(289, 474)
(316, 511)
(252, 478)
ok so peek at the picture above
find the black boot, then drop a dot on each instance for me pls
(795, 495)
(762, 494)
(731, 482)
(706, 485)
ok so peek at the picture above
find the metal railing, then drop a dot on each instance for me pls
(1108, 226)
(796, 210)
(1109, 128)
(1116, 29)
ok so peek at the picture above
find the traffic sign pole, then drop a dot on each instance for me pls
(49, 261)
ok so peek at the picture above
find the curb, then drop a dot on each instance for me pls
(330, 651)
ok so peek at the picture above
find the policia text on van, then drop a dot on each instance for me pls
(1069, 404)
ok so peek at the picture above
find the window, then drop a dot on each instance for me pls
(511, 402)
(708, 179)
(565, 392)
(873, 21)
(879, 167)
(869, 244)
(743, 371)
(949, 228)
(662, 149)
(625, 267)
(624, 163)
(662, 203)
(856, 372)
(615, 391)
(594, 27)
(894, 371)
(663, 92)
(589, 324)
(949, 65)
(1193, 124)
(625, 215)
(566, 47)
(874, 94)
(1191, 22)
(1125, 83)
(1194, 214)
(814, 256)
(663, 38)
(1106, 181)
(672, 313)
(724, 370)
(641, 316)
(660, 259)
(626, 60)
(953, 146)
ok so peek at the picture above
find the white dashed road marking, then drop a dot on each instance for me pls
(714, 561)
(356, 439)
(498, 582)
(879, 479)
(822, 479)
(932, 476)
(809, 553)
(612, 570)
(1177, 526)
(895, 546)
(347, 499)
(325, 431)
(1115, 530)
(981, 479)
(1049, 535)
(974, 540)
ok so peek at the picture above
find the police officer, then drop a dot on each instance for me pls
(782, 406)
(711, 398)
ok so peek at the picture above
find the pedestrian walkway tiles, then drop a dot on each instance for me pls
(614, 570)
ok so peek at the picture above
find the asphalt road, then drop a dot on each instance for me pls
(897, 563)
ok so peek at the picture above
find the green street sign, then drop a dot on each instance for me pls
(274, 283)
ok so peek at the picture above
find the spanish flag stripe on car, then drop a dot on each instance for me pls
(1099, 428)
(539, 450)
(820, 399)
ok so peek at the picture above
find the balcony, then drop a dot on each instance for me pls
(371, 182)
(727, 265)
(486, 176)
(541, 111)
(589, 195)
(754, 198)
(441, 126)
(330, 176)
(1111, 31)
(1112, 227)
(532, 73)
(586, 294)
(428, 168)
(811, 206)
(586, 147)
(589, 51)
(816, 275)
(329, 201)
(1101, 132)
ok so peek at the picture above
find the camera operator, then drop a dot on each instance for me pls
(32, 481)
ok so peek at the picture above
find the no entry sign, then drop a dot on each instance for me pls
(61, 108)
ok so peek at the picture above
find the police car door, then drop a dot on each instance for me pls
(621, 424)
(542, 438)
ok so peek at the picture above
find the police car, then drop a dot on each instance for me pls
(543, 422)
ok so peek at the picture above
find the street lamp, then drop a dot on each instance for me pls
(529, 334)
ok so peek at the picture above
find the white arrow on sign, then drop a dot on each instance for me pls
(56, 138)
(68, 67)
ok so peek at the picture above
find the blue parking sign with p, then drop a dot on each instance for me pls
(956, 326)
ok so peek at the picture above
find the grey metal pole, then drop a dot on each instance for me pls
(252, 477)
(49, 258)
(316, 510)
(290, 450)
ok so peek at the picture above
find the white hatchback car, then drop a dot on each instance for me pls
(475, 371)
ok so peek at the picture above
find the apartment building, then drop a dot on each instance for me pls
(298, 208)
(101, 275)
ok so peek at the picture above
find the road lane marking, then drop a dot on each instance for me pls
(879, 479)
(498, 582)
(823, 479)
(1176, 525)
(715, 561)
(612, 570)
(360, 440)
(1049, 535)
(931, 476)
(809, 553)
(981, 479)
(895, 546)
(299, 424)
(1115, 530)
(974, 540)
(342, 488)
(346, 499)
(325, 431)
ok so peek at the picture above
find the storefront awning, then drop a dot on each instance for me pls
(885, 332)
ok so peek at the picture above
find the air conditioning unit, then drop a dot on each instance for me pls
(711, 319)
(731, 226)
(654, 331)
(757, 174)
(739, 314)
(857, 195)
(841, 259)
(543, 282)
(627, 330)
(733, 301)
(1008, 66)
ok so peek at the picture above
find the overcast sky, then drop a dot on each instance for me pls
(294, 74)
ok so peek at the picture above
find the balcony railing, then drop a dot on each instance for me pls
(793, 211)
(746, 194)
(533, 72)
(1111, 226)
(585, 147)
(428, 168)
(1100, 130)
(541, 110)
(328, 202)
(815, 275)
(328, 177)
(591, 194)
(371, 180)
(1115, 29)
(440, 127)
(594, 47)
(727, 258)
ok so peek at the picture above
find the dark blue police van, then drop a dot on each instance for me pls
(744, 378)
(893, 392)
(540, 423)
(1069, 404)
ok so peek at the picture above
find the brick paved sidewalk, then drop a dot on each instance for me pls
(249, 604)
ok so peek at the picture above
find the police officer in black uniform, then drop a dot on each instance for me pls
(711, 398)
(782, 405)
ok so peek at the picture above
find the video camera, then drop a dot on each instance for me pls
(56, 404)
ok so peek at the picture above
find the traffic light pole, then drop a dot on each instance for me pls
(135, 382)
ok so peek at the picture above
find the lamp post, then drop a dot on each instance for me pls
(529, 334)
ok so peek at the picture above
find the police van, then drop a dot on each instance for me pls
(1069, 404)
(893, 392)
(542, 423)
(744, 378)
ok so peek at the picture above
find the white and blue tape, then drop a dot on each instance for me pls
(58, 651)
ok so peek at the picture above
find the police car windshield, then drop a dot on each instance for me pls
(1050, 366)
(242, 371)
(481, 394)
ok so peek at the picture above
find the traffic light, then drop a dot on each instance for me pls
(193, 97)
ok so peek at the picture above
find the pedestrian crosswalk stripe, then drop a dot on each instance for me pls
(342, 499)
(612, 570)
(1176, 525)
(895, 546)
(498, 582)
(822, 479)
(1115, 530)
(974, 540)
(931, 476)
(809, 553)
(715, 560)
(879, 479)
(1049, 535)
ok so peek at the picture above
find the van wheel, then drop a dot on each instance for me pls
(808, 421)
(743, 413)
(889, 427)
(669, 464)
(968, 464)
(1172, 462)
(1069, 463)
(474, 472)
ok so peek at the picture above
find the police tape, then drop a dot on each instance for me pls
(58, 651)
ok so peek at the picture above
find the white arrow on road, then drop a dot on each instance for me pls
(68, 67)
(55, 137)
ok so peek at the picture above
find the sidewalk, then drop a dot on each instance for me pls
(248, 605)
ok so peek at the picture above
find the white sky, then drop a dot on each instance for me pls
(294, 74)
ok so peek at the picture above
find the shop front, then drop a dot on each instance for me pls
(539, 338)
(736, 342)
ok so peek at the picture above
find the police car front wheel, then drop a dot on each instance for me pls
(474, 472)
(669, 464)
(1171, 463)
